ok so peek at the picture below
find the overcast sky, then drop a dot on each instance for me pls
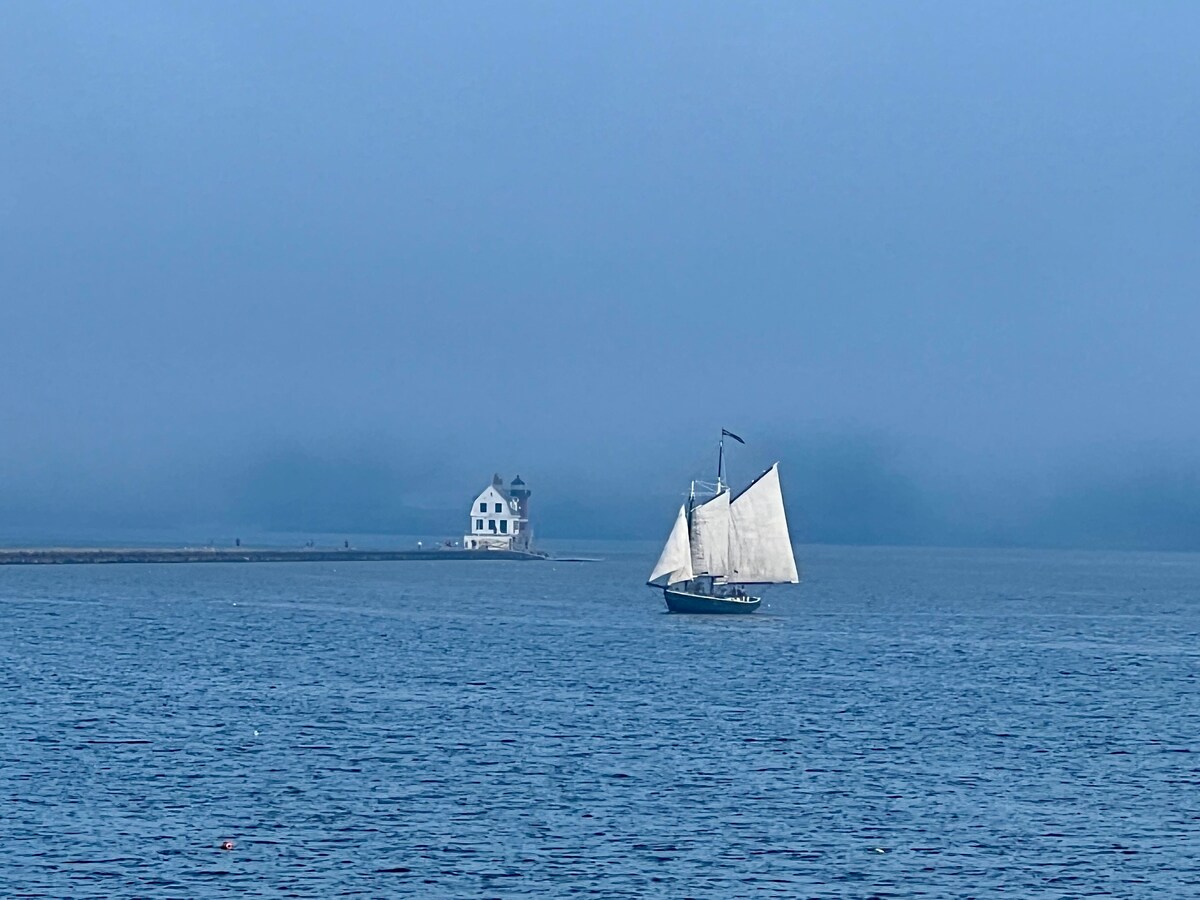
(940, 258)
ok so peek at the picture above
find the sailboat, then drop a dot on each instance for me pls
(723, 545)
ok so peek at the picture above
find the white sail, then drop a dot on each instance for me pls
(760, 548)
(710, 536)
(675, 563)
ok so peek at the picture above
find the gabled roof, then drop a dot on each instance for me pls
(498, 489)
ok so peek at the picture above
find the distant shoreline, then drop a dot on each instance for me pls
(95, 555)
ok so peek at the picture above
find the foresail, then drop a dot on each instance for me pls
(675, 563)
(760, 548)
(710, 536)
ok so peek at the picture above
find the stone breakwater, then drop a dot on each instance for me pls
(91, 555)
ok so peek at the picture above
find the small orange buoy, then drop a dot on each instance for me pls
(226, 845)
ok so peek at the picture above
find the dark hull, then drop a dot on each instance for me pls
(684, 602)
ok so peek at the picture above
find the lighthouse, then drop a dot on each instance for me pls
(500, 518)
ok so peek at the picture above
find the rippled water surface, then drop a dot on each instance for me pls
(905, 723)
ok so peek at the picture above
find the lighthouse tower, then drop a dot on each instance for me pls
(520, 494)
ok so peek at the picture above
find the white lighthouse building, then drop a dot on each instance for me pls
(500, 518)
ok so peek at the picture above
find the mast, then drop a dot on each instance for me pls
(720, 460)
(721, 457)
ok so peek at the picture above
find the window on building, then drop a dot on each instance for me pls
(499, 507)
(504, 526)
(479, 524)
(491, 524)
(483, 507)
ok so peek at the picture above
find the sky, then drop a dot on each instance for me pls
(329, 266)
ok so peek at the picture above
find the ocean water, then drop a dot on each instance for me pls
(906, 723)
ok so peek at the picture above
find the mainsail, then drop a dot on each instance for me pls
(760, 548)
(710, 536)
(675, 563)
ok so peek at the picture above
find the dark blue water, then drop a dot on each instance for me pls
(906, 723)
